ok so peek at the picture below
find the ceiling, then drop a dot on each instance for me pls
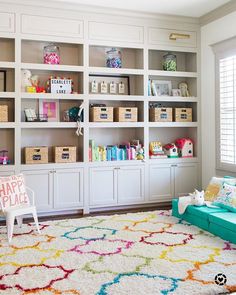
(192, 8)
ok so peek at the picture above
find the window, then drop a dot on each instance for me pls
(226, 105)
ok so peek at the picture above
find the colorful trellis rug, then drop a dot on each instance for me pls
(141, 253)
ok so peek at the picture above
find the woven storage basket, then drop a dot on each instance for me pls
(64, 154)
(36, 155)
(183, 115)
(160, 114)
(101, 114)
(3, 113)
(126, 114)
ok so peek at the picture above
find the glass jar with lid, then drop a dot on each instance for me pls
(169, 62)
(51, 54)
(113, 58)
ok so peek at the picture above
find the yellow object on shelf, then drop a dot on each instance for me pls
(31, 89)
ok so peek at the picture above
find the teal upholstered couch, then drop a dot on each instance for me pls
(217, 221)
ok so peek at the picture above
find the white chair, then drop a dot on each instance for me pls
(13, 212)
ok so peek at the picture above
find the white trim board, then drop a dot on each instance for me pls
(218, 13)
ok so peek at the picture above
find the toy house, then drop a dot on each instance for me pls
(185, 147)
(171, 150)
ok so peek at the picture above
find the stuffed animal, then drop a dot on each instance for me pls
(35, 83)
(197, 198)
(35, 80)
(25, 79)
(184, 89)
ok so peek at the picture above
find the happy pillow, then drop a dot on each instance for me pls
(13, 191)
(214, 187)
(227, 198)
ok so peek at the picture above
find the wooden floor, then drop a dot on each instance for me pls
(110, 212)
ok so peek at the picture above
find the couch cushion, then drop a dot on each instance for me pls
(224, 233)
(215, 185)
(227, 197)
(191, 218)
(203, 211)
(224, 220)
(175, 211)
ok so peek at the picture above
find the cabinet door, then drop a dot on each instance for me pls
(130, 184)
(161, 182)
(102, 186)
(68, 188)
(41, 182)
(186, 178)
(7, 22)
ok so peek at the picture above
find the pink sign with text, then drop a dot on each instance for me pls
(13, 191)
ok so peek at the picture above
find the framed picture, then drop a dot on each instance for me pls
(176, 92)
(160, 87)
(50, 109)
(3, 81)
(119, 85)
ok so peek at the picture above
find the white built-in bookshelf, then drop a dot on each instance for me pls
(93, 185)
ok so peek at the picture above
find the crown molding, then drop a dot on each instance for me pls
(203, 20)
(218, 13)
(101, 10)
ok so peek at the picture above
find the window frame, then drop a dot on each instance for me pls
(222, 50)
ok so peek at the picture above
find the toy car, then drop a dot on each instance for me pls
(4, 160)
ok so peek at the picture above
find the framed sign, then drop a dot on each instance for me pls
(50, 109)
(3, 81)
(60, 85)
(160, 87)
(114, 84)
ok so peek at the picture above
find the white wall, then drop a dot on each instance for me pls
(219, 30)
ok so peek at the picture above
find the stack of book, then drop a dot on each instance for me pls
(128, 151)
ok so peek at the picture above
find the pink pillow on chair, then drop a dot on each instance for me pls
(13, 191)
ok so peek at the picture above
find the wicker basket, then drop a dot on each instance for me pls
(126, 114)
(160, 114)
(101, 114)
(36, 155)
(183, 115)
(3, 113)
(64, 154)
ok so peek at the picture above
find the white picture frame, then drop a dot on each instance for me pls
(49, 108)
(161, 88)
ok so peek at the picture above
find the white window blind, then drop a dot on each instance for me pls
(225, 57)
(227, 110)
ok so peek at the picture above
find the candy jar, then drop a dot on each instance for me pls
(51, 54)
(169, 62)
(113, 58)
